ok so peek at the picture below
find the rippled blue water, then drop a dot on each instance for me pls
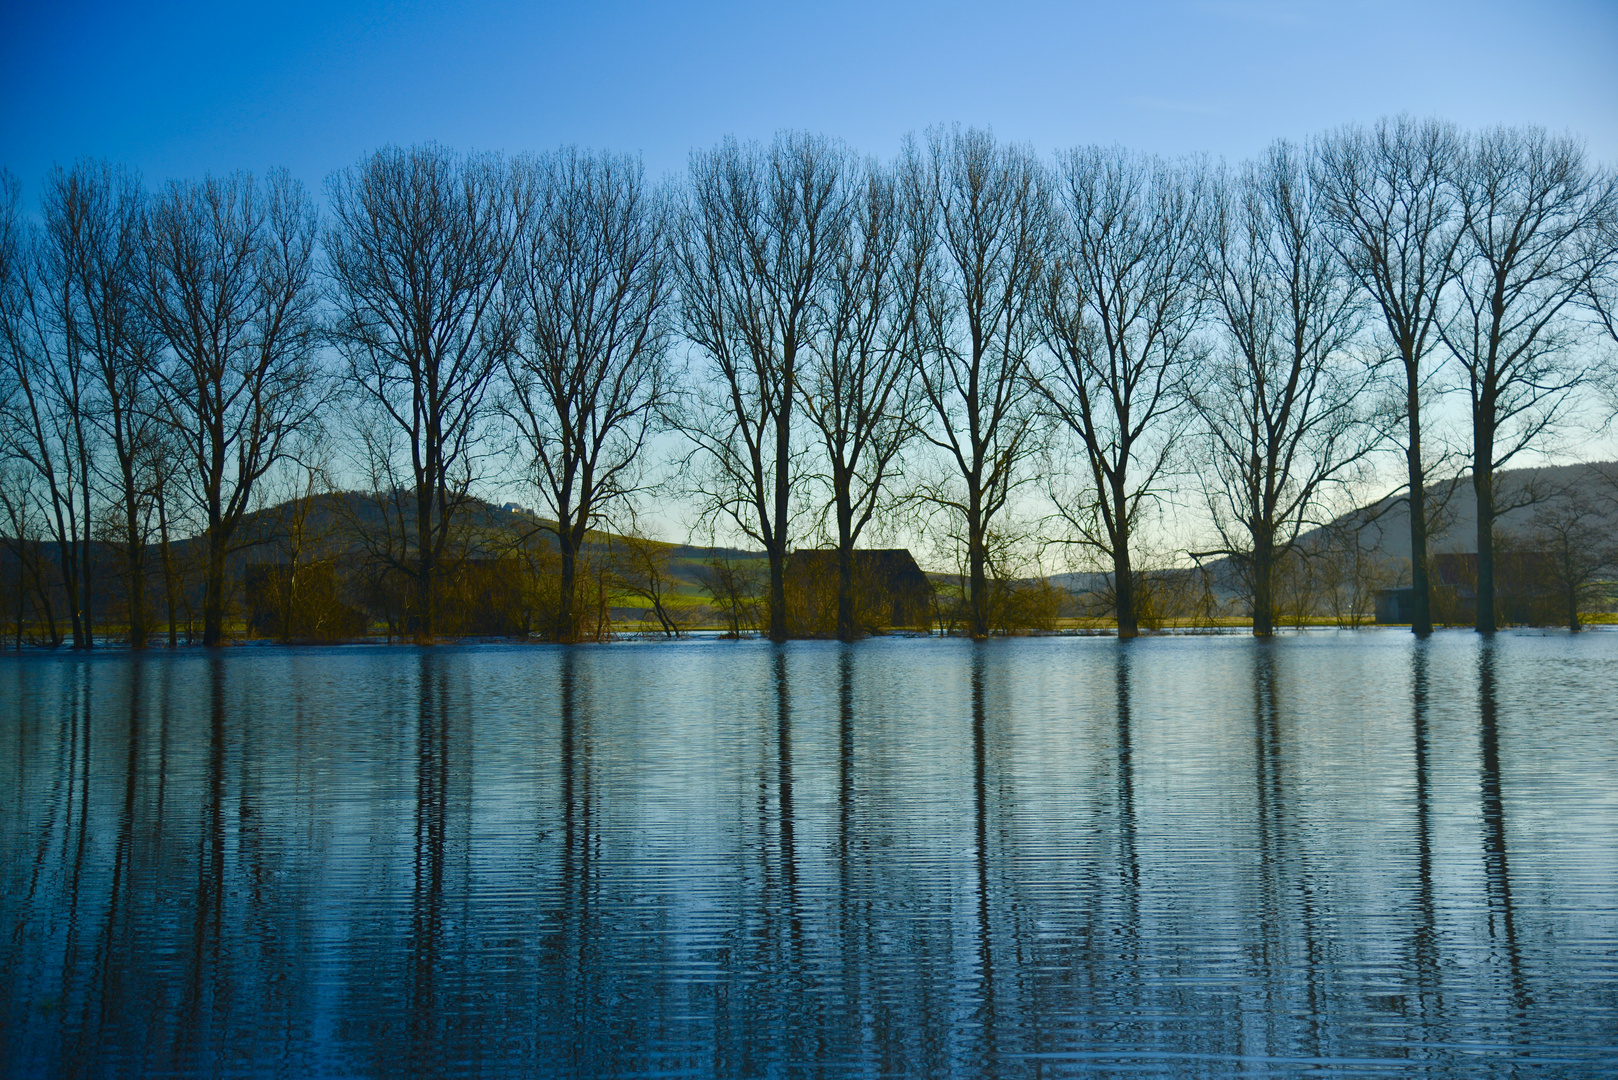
(1344, 854)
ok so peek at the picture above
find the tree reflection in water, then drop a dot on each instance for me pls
(1004, 858)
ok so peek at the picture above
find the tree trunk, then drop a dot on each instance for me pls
(1483, 488)
(22, 597)
(424, 602)
(778, 591)
(84, 551)
(847, 628)
(1123, 590)
(977, 568)
(1263, 588)
(213, 603)
(565, 630)
(137, 571)
(68, 559)
(425, 564)
(783, 478)
(168, 566)
(1421, 616)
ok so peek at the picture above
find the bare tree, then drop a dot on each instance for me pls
(1530, 202)
(229, 283)
(46, 394)
(303, 534)
(1120, 308)
(93, 221)
(733, 584)
(589, 377)
(759, 242)
(859, 392)
(1601, 301)
(1282, 404)
(418, 247)
(1397, 224)
(991, 223)
(1571, 531)
(1350, 572)
(23, 534)
(164, 463)
(641, 567)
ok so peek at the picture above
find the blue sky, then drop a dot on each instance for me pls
(179, 89)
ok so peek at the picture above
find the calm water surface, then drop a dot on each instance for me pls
(1343, 854)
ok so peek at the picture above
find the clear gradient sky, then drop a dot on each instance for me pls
(179, 89)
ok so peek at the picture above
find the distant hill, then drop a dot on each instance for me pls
(1384, 525)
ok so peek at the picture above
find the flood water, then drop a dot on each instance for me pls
(1345, 854)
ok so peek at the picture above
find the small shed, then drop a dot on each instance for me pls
(1395, 605)
(890, 590)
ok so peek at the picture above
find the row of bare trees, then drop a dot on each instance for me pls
(155, 346)
(945, 339)
(1139, 319)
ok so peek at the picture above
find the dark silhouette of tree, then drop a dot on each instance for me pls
(859, 392)
(1571, 534)
(641, 567)
(991, 224)
(1390, 199)
(229, 283)
(1531, 204)
(589, 376)
(733, 585)
(49, 379)
(761, 234)
(22, 534)
(93, 220)
(1120, 308)
(418, 247)
(1281, 403)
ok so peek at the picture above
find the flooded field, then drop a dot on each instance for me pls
(1338, 853)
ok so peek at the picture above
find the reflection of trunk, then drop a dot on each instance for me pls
(1126, 788)
(1424, 948)
(786, 817)
(109, 961)
(77, 802)
(1124, 951)
(205, 936)
(1279, 872)
(987, 1028)
(856, 948)
(1496, 868)
(572, 955)
(845, 772)
(427, 898)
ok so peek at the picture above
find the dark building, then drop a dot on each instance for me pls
(890, 591)
(1523, 590)
(1395, 605)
